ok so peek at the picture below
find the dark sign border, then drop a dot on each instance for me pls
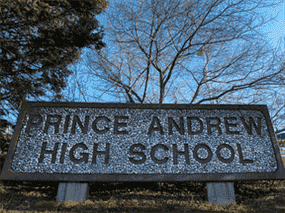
(8, 174)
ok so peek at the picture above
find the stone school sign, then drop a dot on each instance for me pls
(134, 142)
(72, 142)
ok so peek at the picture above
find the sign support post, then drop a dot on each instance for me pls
(221, 193)
(75, 143)
(77, 192)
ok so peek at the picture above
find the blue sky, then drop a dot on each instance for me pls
(273, 31)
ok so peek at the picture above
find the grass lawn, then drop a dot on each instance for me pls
(251, 196)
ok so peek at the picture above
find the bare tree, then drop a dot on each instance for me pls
(188, 51)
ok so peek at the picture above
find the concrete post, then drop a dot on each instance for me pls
(222, 193)
(77, 192)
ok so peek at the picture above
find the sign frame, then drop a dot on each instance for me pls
(8, 174)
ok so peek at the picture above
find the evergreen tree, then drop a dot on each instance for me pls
(38, 39)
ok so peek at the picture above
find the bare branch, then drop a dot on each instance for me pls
(194, 52)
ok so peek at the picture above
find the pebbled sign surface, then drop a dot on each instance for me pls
(135, 142)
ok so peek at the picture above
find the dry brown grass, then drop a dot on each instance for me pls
(251, 196)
